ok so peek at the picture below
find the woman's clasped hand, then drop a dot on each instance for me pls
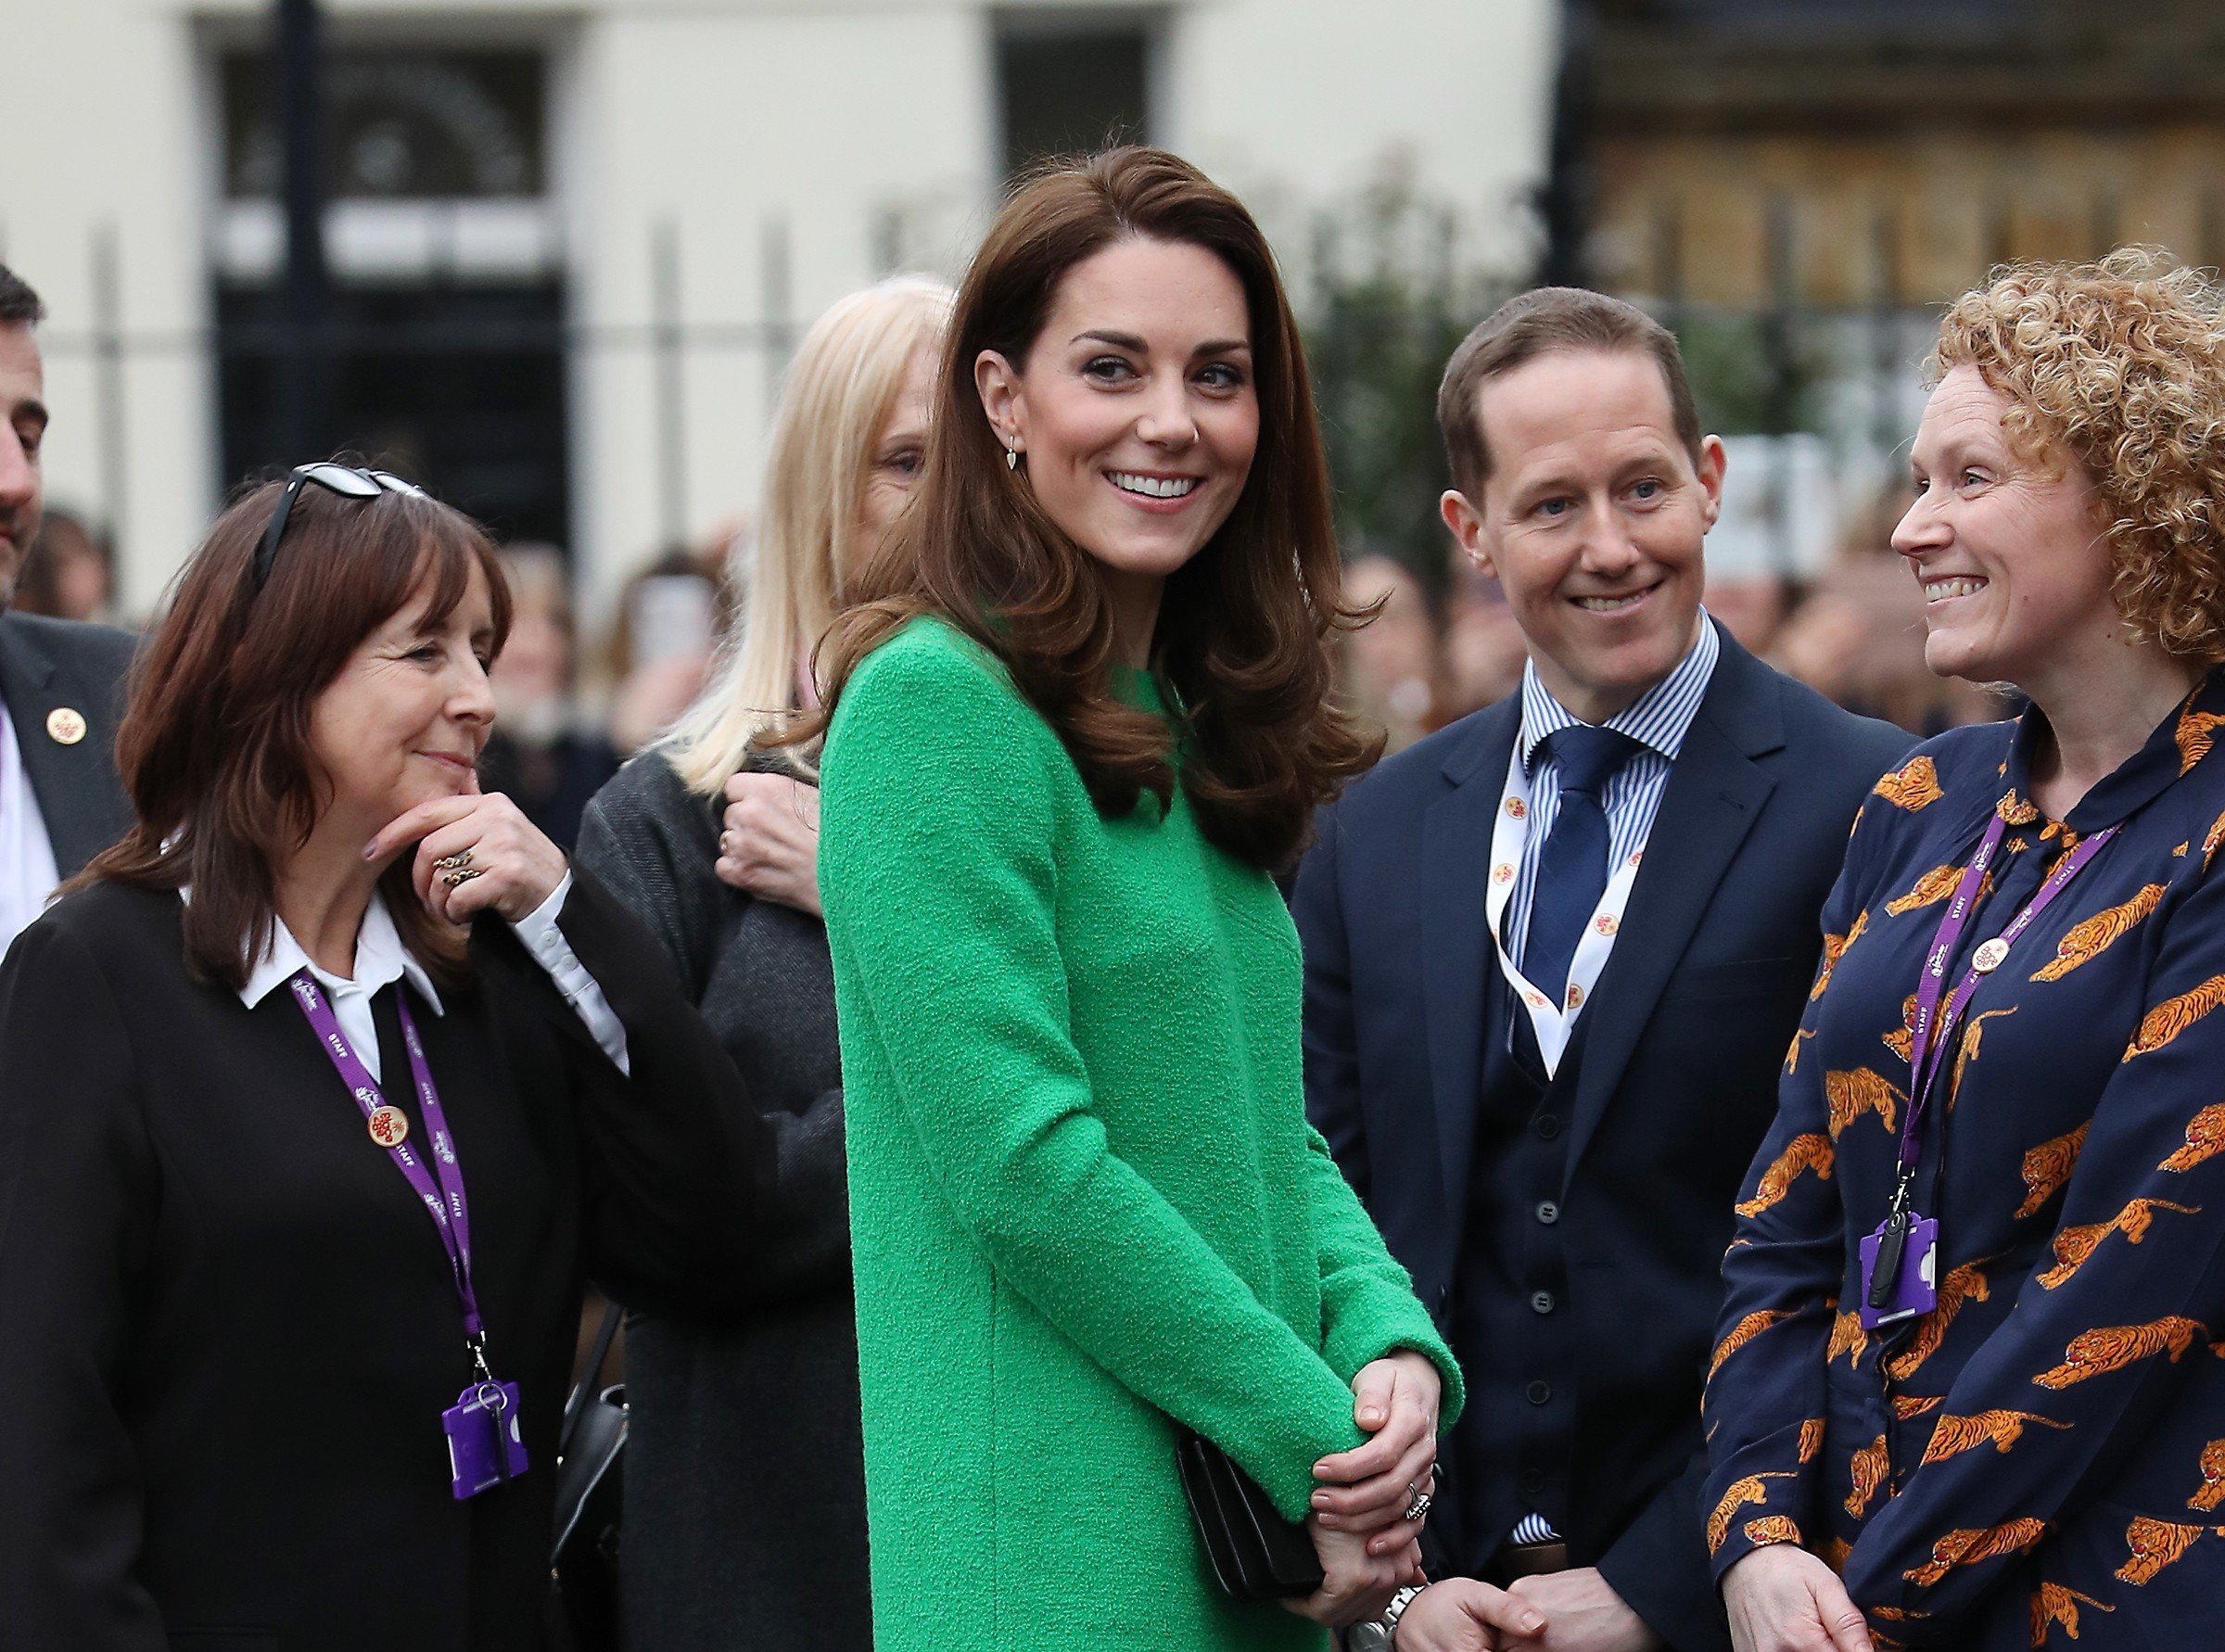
(1367, 1546)
(1784, 1599)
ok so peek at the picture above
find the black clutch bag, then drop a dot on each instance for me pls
(1255, 1554)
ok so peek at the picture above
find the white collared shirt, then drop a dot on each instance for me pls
(28, 873)
(381, 959)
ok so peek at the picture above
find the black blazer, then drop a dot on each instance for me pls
(230, 1331)
(53, 664)
(1687, 1027)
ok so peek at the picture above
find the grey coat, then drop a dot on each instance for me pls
(744, 1472)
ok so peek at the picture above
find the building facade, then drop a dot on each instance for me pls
(571, 248)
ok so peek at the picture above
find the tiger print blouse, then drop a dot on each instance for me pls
(2040, 1460)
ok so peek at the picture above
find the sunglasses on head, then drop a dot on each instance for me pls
(344, 480)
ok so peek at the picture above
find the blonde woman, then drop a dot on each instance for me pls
(744, 1477)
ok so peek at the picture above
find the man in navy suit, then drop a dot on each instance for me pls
(60, 683)
(1553, 956)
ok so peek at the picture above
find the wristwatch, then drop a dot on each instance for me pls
(1382, 1635)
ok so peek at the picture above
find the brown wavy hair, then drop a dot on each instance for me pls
(1244, 627)
(214, 746)
(2121, 362)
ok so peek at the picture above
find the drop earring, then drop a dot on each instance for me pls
(1011, 458)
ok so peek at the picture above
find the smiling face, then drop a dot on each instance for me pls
(2007, 545)
(405, 719)
(1591, 519)
(1134, 412)
(22, 429)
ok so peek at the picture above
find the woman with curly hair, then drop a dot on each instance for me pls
(1080, 723)
(1967, 1391)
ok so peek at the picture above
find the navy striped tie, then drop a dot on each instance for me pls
(1571, 868)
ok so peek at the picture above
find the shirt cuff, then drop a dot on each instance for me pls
(537, 930)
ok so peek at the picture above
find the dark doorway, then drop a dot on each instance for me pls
(460, 387)
(1070, 88)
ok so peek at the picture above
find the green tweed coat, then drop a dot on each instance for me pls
(1085, 1200)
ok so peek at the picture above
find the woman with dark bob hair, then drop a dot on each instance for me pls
(1969, 1391)
(1078, 724)
(319, 1095)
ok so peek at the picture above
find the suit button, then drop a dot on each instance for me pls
(1443, 1295)
(1547, 1212)
(1537, 1394)
(1542, 1301)
(1533, 1481)
(1548, 1126)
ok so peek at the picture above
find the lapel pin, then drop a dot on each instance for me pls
(65, 727)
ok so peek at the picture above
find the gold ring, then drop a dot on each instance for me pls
(455, 877)
(461, 858)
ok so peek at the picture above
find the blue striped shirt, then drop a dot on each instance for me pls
(1658, 720)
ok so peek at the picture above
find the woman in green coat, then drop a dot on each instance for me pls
(1084, 721)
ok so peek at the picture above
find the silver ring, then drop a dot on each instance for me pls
(1419, 1509)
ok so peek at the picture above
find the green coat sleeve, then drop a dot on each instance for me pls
(1369, 1308)
(938, 873)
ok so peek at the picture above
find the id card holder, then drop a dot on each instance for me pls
(484, 1446)
(1915, 1285)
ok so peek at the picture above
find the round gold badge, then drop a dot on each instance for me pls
(389, 1125)
(1988, 957)
(65, 727)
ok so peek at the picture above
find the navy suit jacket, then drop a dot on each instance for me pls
(52, 665)
(1688, 1028)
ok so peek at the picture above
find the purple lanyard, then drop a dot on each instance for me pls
(450, 1210)
(1934, 1027)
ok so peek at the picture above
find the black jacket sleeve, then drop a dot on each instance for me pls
(677, 1165)
(1332, 1057)
(648, 839)
(79, 1181)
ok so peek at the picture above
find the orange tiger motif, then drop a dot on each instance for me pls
(1965, 1284)
(2054, 1604)
(1847, 1338)
(1847, 1096)
(1901, 1040)
(1935, 885)
(1811, 1439)
(2047, 1170)
(2016, 810)
(2212, 839)
(1792, 1050)
(2213, 1478)
(1744, 1331)
(2154, 1545)
(1969, 1547)
(2205, 1139)
(1910, 1405)
(1803, 1152)
(2173, 1016)
(1739, 1494)
(1834, 949)
(1967, 1053)
(1834, 1552)
(1954, 1435)
(2112, 1348)
(2192, 735)
(1913, 786)
(1771, 1528)
(2087, 939)
(1869, 1469)
(2074, 1246)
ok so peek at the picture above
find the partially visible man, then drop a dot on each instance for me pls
(60, 683)
(1554, 955)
